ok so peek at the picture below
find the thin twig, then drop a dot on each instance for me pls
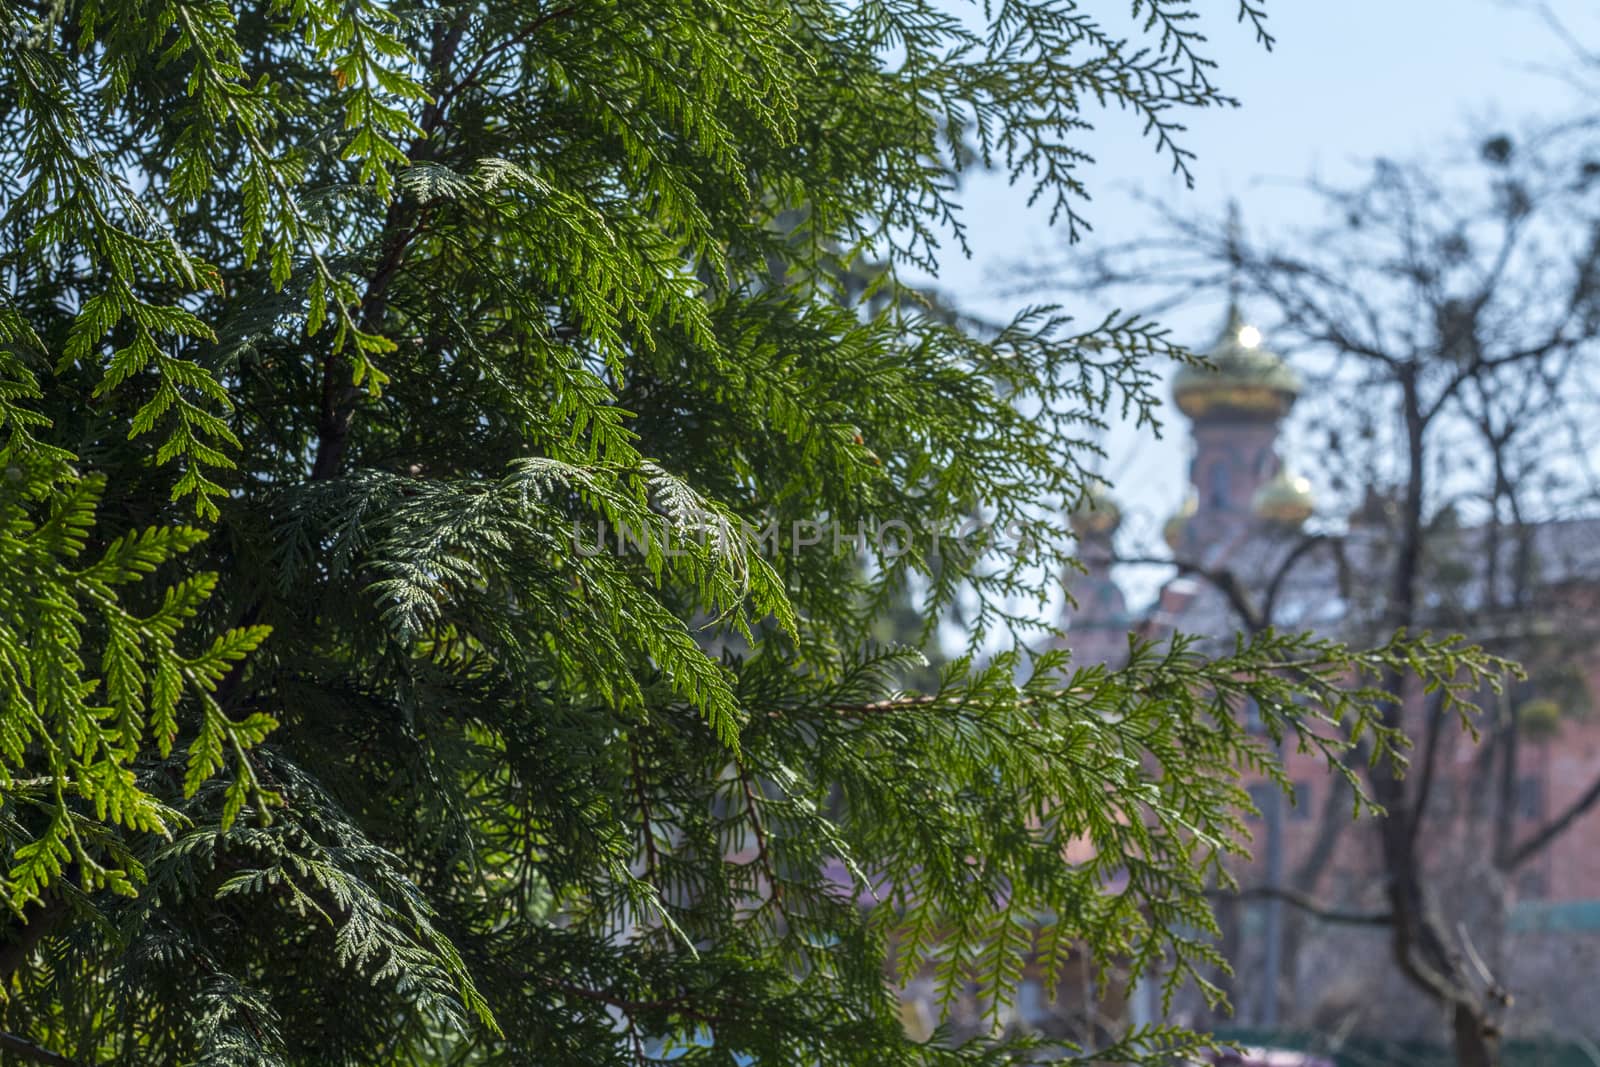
(763, 856)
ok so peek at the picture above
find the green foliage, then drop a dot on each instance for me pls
(406, 304)
(76, 721)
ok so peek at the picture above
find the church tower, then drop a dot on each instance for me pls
(1236, 410)
(1098, 623)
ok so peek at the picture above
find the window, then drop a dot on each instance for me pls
(1303, 792)
(1252, 717)
(1219, 485)
(1529, 801)
(1443, 799)
(1032, 1007)
(1261, 795)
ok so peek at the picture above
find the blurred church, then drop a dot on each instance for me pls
(1250, 549)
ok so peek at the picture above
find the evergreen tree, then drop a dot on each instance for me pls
(331, 333)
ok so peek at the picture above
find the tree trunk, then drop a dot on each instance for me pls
(1422, 948)
(1475, 1041)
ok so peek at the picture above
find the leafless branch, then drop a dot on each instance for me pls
(1224, 581)
(1555, 827)
(1306, 903)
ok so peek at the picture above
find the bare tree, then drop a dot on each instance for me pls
(1447, 320)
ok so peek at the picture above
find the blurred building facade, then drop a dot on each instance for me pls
(1251, 550)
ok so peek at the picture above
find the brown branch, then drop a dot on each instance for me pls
(402, 223)
(1329, 830)
(896, 704)
(31, 1052)
(1306, 903)
(337, 412)
(882, 707)
(1224, 581)
(1555, 827)
(1269, 604)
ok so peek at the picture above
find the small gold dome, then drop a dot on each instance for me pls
(1286, 500)
(1247, 380)
(1172, 530)
(1095, 513)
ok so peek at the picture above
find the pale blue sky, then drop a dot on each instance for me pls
(1347, 80)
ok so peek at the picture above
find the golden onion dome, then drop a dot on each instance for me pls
(1095, 513)
(1286, 500)
(1172, 530)
(1248, 379)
